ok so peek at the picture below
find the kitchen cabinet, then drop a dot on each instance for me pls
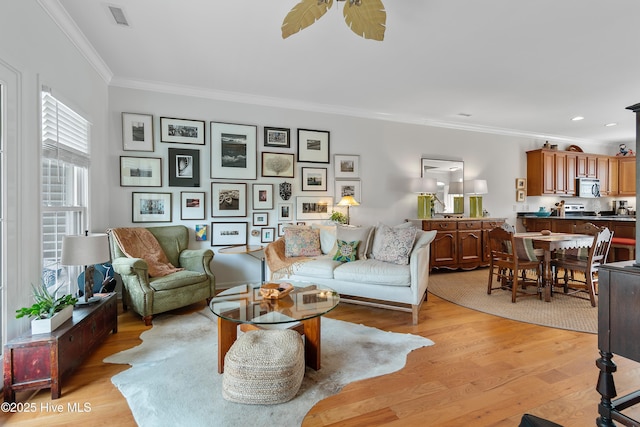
(586, 165)
(460, 243)
(551, 172)
(626, 176)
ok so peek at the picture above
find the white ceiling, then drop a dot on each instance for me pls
(516, 66)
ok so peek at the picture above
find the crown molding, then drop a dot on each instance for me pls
(245, 98)
(68, 26)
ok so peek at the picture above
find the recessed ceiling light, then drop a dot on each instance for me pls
(577, 118)
(611, 124)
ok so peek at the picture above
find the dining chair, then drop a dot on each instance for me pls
(586, 264)
(512, 264)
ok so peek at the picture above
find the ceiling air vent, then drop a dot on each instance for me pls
(118, 15)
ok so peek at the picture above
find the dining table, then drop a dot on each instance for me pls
(549, 243)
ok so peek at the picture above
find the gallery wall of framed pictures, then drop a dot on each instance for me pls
(259, 180)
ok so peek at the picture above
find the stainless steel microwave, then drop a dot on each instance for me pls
(588, 187)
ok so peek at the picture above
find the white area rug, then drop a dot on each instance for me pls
(174, 378)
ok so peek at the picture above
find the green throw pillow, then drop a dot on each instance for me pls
(347, 251)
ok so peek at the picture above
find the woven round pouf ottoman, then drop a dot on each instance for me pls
(264, 367)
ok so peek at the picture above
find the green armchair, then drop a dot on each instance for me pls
(149, 296)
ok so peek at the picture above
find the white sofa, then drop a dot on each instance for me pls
(366, 280)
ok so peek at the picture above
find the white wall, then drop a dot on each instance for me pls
(389, 153)
(34, 52)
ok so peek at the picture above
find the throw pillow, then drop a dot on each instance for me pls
(396, 244)
(327, 237)
(346, 251)
(378, 238)
(351, 234)
(301, 242)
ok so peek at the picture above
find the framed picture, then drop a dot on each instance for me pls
(281, 227)
(313, 207)
(267, 234)
(285, 211)
(228, 199)
(346, 166)
(521, 183)
(314, 179)
(276, 137)
(277, 164)
(233, 151)
(140, 171)
(151, 207)
(520, 196)
(260, 218)
(228, 233)
(184, 167)
(201, 232)
(262, 196)
(346, 187)
(181, 131)
(313, 146)
(137, 132)
(192, 205)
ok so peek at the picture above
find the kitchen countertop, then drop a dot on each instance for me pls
(572, 217)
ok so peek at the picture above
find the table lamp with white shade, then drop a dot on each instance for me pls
(476, 188)
(86, 250)
(348, 201)
(426, 189)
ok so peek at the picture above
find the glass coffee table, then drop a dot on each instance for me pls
(300, 310)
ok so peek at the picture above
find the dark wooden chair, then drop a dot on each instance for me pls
(510, 264)
(587, 264)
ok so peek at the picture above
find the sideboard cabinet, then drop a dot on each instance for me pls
(42, 360)
(460, 243)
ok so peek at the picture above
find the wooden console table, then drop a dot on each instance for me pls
(618, 332)
(41, 360)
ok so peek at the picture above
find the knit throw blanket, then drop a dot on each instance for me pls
(139, 242)
(279, 265)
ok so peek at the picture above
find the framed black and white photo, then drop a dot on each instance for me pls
(260, 218)
(277, 164)
(192, 205)
(137, 132)
(184, 167)
(313, 146)
(314, 179)
(233, 151)
(276, 137)
(262, 196)
(151, 207)
(228, 233)
(285, 211)
(308, 207)
(346, 166)
(347, 187)
(140, 171)
(181, 131)
(267, 234)
(228, 199)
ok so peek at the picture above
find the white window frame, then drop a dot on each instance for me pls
(64, 186)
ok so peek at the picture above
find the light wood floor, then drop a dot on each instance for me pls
(482, 371)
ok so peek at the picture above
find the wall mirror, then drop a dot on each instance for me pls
(449, 175)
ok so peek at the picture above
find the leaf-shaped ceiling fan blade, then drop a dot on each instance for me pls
(367, 20)
(304, 14)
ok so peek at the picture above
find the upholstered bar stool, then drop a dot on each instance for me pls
(624, 243)
(264, 367)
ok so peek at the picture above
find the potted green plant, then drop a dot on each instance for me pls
(48, 312)
(338, 217)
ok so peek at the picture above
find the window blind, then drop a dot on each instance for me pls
(65, 134)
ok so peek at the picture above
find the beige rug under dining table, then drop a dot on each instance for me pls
(553, 242)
